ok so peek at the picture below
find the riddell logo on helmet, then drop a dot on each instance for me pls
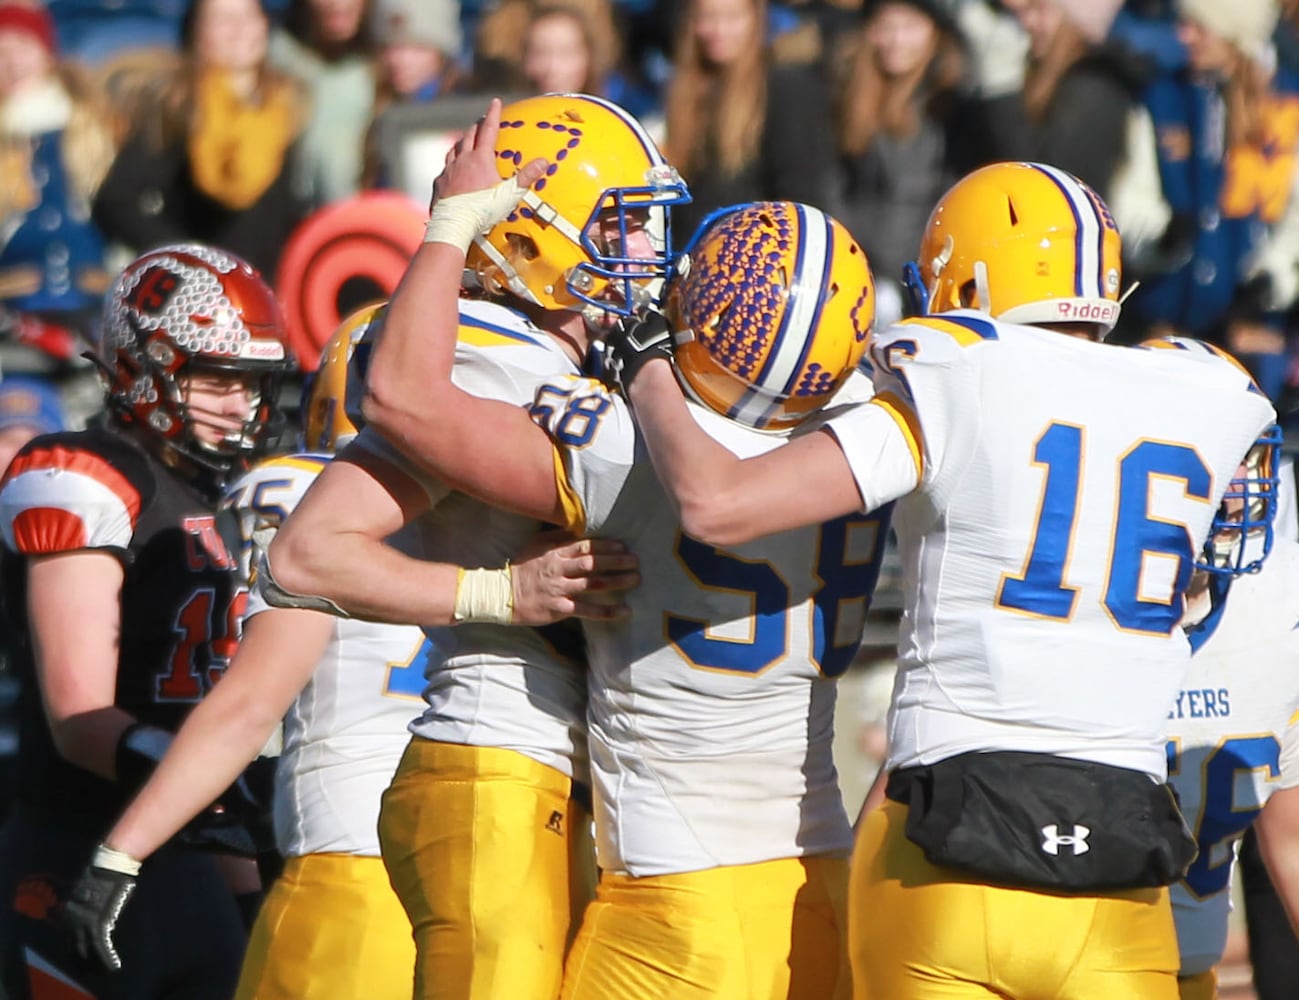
(1087, 312)
(263, 350)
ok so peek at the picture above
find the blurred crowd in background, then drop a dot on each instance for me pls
(126, 124)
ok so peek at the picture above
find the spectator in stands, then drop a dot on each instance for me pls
(901, 141)
(329, 45)
(56, 144)
(556, 46)
(747, 119)
(29, 406)
(567, 50)
(1228, 131)
(1078, 93)
(419, 61)
(419, 48)
(210, 156)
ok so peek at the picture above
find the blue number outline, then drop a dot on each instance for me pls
(405, 678)
(1131, 541)
(1044, 567)
(770, 600)
(1214, 826)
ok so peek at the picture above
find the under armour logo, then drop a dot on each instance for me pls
(556, 822)
(1052, 840)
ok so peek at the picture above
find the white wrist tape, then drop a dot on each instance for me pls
(115, 861)
(485, 595)
(461, 218)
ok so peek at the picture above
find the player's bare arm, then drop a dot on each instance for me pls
(725, 500)
(74, 604)
(487, 449)
(334, 546)
(277, 654)
(1278, 839)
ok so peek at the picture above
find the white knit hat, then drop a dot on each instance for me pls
(435, 23)
(1247, 24)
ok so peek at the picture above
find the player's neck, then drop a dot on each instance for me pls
(569, 330)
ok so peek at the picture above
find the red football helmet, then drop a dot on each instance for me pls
(191, 309)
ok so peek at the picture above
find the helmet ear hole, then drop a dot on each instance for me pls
(522, 247)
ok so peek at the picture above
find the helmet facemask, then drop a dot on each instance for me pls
(572, 243)
(1242, 533)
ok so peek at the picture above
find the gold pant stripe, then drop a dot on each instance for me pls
(767, 931)
(920, 932)
(477, 842)
(331, 928)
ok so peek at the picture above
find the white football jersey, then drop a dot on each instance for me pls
(1064, 489)
(712, 703)
(521, 689)
(1233, 739)
(345, 732)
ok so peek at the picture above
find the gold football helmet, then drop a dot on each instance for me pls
(1026, 243)
(327, 423)
(771, 308)
(565, 246)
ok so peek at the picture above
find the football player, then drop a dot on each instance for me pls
(484, 825)
(123, 586)
(1233, 740)
(1053, 494)
(331, 926)
(720, 827)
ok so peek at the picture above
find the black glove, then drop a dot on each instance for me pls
(92, 911)
(633, 342)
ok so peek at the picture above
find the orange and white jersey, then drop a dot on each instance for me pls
(712, 703)
(1055, 493)
(517, 688)
(1233, 739)
(345, 732)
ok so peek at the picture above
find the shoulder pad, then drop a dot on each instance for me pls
(74, 490)
(1208, 356)
(965, 328)
(274, 487)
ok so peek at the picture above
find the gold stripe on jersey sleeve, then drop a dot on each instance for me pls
(569, 501)
(477, 336)
(905, 417)
(291, 462)
(1293, 719)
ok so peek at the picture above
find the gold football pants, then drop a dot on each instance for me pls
(492, 860)
(767, 931)
(331, 928)
(919, 932)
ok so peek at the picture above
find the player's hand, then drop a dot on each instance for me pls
(633, 343)
(95, 905)
(471, 162)
(557, 577)
(469, 197)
